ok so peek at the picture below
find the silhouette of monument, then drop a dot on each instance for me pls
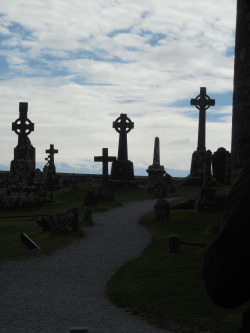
(156, 171)
(240, 148)
(105, 159)
(50, 169)
(202, 102)
(122, 169)
(21, 191)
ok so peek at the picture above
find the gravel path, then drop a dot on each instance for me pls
(54, 293)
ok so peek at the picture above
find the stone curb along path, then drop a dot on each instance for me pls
(51, 294)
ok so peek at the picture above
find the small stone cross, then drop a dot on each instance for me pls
(23, 126)
(202, 102)
(123, 125)
(104, 159)
(51, 151)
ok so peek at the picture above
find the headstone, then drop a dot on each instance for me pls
(59, 223)
(202, 102)
(26, 240)
(21, 190)
(156, 170)
(49, 170)
(162, 207)
(161, 210)
(122, 169)
(221, 164)
(241, 97)
(87, 214)
(174, 244)
(104, 159)
(91, 199)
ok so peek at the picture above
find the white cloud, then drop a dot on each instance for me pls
(80, 64)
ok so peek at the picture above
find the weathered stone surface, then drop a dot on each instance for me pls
(241, 96)
(21, 189)
(221, 164)
(162, 210)
(91, 199)
(156, 170)
(57, 223)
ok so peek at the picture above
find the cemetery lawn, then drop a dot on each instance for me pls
(13, 222)
(167, 288)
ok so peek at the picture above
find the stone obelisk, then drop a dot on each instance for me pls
(156, 171)
(241, 96)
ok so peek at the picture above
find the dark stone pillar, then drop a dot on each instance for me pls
(241, 96)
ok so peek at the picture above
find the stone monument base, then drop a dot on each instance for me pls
(155, 174)
(122, 170)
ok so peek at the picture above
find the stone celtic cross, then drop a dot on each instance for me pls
(202, 102)
(51, 151)
(123, 125)
(23, 126)
(104, 159)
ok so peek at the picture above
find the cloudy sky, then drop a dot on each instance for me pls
(81, 63)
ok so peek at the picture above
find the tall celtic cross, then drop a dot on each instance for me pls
(22, 126)
(123, 125)
(202, 102)
(104, 159)
(51, 151)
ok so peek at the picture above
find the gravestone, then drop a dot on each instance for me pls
(162, 207)
(49, 170)
(202, 102)
(156, 170)
(241, 97)
(21, 189)
(105, 192)
(122, 169)
(60, 223)
(91, 199)
(104, 159)
(221, 163)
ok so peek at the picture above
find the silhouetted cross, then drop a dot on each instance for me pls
(202, 102)
(51, 151)
(104, 159)
(23, 126)
(123, 125)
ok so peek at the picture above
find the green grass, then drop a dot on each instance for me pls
(11, 247)
(167, 288)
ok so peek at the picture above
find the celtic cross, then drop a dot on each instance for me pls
(51, 151)
(202, 102)
(23, 126)
(105, 158)
(123, 125)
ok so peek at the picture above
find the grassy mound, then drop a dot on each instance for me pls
(167, 288)
(12, 223)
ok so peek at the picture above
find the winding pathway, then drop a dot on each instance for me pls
(51, 294)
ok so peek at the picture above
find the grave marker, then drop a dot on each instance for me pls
(105, 159)
(122, 169)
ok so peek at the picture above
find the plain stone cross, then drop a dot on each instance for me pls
(123, 125)
(51, 151)
(104, 159)
(202, 102)
(23, 126)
